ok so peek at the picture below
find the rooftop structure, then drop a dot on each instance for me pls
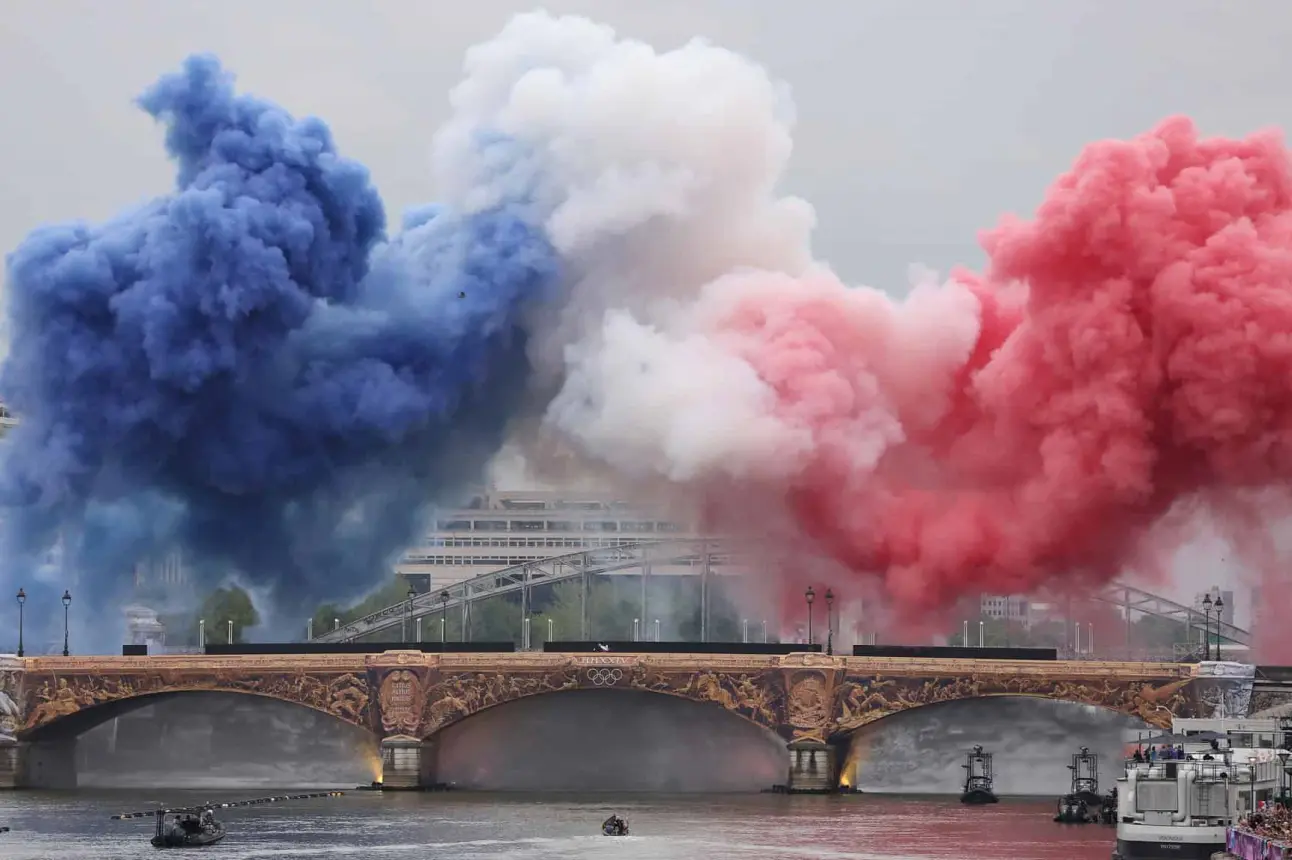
(501, 528)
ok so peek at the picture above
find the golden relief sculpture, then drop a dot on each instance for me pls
(462, 694)
(860, 701)
(10, 715)
(754, 696)
(809, 705)
(401, 703)
(50, 697)
(801, 696)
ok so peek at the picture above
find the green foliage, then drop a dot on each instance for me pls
(224, 605)
(217, 609)
(394, 591)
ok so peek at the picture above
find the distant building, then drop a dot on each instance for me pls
(501, 528)
(144, 628)
(1001, 607)
(168, 570)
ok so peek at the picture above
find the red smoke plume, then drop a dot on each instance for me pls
(1133, 353)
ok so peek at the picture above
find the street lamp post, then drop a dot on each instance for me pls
(67, 601)
(1220, 604)
(809, 596)
(1283, 770)
(408, 615)
(444, 618)
(22, 598)
(829, 622)
(1206, 627)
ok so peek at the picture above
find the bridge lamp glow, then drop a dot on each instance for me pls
(22, 598)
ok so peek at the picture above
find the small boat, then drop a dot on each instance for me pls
(4, 829)
(614, 826)
(1108, 811)
(1072, 810)
(196, 826)
(978, 788)
(1083, 804)
(187, 830)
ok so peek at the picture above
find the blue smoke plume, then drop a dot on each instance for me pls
(247, 370)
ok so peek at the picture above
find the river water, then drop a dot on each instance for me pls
(488, 826)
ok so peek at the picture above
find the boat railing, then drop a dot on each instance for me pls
(1217, 770)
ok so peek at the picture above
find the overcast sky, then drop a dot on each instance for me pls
(918, 122)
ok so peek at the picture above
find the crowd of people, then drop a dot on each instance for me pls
(1272, 820)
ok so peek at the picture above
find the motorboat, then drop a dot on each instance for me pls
(978, 779)
(1082, 804)
(188, 830)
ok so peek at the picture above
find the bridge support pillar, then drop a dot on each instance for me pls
(8, 763)
(407, 763)
(47, 764)
(812, 767)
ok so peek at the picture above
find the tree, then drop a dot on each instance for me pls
(610, 611)
(724, 618)
(496, 619)
(1156, 633)
(224, 605)
(395, 590)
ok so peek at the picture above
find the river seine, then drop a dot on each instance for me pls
(486, 826)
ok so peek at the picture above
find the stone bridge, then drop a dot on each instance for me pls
(406, 698)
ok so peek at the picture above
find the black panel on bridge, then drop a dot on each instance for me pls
(1280, 674)
(357, 647)
(613, 645)
(954, 652)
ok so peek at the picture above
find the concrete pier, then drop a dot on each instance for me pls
(407, 763)
(47, 764)
(812, 768)
(8, 763)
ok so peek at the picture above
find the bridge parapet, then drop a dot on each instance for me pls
(410, 697)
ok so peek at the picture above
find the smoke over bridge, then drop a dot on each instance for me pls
(251, 368)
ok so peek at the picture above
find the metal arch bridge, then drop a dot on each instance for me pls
(705, 556)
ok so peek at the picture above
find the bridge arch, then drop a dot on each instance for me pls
(756, 697)
(861, 700)
(922, 750)
(62, 705)
(74, 724)
(607, 739)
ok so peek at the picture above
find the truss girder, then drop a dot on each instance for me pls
(686, 553)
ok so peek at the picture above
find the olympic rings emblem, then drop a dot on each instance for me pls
(605, 677)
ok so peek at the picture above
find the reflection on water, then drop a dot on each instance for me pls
(375, 826)
(225, 740)
(1032, 741)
